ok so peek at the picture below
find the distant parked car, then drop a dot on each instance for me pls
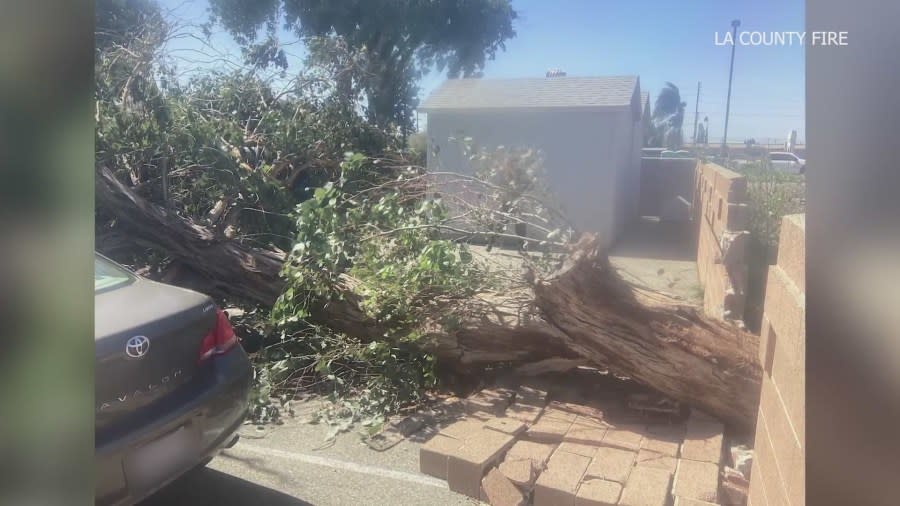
(783, 161)
(171, 383)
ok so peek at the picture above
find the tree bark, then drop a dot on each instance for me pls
(584, 311)
(651, 337)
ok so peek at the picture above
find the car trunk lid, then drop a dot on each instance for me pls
(147, 343)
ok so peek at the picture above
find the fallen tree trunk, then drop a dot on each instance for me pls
(651, 337)
(583, 311)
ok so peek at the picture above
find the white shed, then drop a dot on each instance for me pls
(588, 129)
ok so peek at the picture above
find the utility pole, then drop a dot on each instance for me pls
(696, 113)
(734, 26)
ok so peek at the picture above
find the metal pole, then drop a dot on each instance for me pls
(696, 113)
(734, 26)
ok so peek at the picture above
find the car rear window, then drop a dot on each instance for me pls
(108, 275)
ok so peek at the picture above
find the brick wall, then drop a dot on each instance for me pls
(778, 468)
(720, 215)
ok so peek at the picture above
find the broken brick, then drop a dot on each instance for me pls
(627, 437)
(646, 486)
(558, 484)
(505, 425)
(612, 464)
(539, 453)
(578, 449)
(521, 472)
(650, 458)
(598, 492)
(466, 466)
(548, 429)
(499, 491)
(463, 429)
(434, 454)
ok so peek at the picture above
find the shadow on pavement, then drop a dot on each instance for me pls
(210, 487)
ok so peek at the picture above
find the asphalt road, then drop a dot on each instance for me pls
(286, 465)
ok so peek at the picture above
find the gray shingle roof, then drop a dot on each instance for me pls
(527, 93)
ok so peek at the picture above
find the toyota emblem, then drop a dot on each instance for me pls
(137, 346)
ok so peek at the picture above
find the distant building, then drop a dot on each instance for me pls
(589, 130)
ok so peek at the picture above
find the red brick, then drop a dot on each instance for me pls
(434, 454)
(649, 458)
(466, 466)
(647, 486)
(499, 491)
(627, 437)
(521, 472)
(697, 480)
(611, 464)
(558, 484)
(598, 492)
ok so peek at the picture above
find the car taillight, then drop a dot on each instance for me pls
(220, 338)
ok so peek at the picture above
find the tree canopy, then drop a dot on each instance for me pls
(398, 41)
(668, 117)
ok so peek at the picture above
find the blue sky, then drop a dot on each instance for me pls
(656, 40)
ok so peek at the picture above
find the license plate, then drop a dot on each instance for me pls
(160, 459)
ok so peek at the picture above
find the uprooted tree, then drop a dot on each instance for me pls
(359, 270)
(367, 268)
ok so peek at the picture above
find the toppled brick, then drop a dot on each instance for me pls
(466, 466)
(653, 403)
(584, 434)
(521, 472)
(524, 413)
(463, 429)
(577, 409)
(734, 487)
(558, 484)
(661, 443)
(585, 450)
(505, 425)
(598, 492)
(551, 413)
(627, 437)
(650, 458)
(499, 491)
(646, 486)
(489, 402)
(703, 439)
(531, 396)
(697, 480)
(612, 464)
(434, 455)
(548, 430)
(539, 453)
